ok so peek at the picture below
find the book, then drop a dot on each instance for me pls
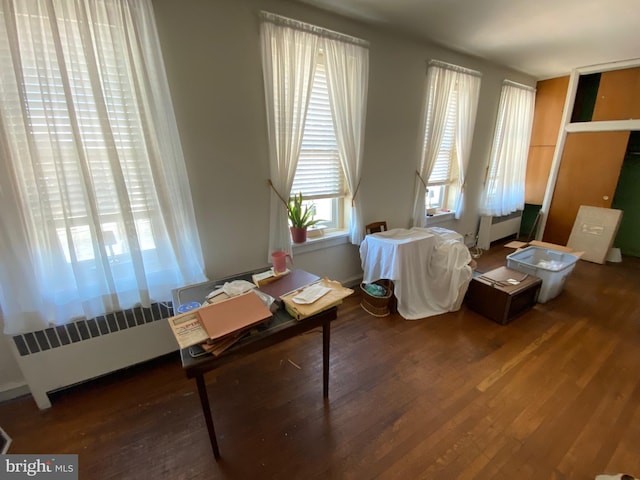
(295, 280)
(216, 347)
(263, 278)
(188, 329)
(232, 315)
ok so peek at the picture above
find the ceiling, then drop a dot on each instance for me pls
(543, 38)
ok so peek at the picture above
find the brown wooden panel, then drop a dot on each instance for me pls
(538, 167)
(618, 95)
(634, 102)
(588, 175)
(550, 98)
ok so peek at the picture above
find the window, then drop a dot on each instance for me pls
(58, 176)
(442, 183)
(319, 174)
(315, 84)
(94, 182)
(450, 111)
(504, 186)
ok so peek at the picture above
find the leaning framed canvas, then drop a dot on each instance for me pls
(5, 441)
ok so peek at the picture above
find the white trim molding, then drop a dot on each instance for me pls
(603, 126)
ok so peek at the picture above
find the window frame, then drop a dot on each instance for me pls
(338, 200)
(72, 214)
(448, 194)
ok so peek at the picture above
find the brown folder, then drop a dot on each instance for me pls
(236, 313)
(295, 280)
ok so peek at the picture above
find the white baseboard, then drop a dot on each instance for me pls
(353, 282)
(9, 391)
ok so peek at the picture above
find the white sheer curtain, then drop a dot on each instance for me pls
(441, 83)
(289, 57)
(468, 95)
(347, 77)
(96, 208)
(288, 64)
(444, 82)
(504, 187)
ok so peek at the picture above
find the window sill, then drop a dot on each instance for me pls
(328, 240)
(438, 218)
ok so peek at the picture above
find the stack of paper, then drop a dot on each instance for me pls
(219, 325)
(216, 347)
(187, 329)
(264, 278)
(315, 298)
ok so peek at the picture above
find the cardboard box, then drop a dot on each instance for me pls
(537, 243)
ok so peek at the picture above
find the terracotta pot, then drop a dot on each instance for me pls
(298, 235)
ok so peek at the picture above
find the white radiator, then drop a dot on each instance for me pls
(61, 356)
(496, 228)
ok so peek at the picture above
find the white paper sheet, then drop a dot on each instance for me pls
(311, 294)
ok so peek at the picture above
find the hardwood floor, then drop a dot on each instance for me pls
(554, 394)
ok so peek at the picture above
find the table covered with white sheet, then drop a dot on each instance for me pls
(429, 267)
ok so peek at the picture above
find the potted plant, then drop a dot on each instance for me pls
(300, 218)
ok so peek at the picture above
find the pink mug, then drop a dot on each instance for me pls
(279, 261)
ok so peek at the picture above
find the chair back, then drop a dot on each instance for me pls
(375, 227)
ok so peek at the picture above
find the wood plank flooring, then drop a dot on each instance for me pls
(553, 395)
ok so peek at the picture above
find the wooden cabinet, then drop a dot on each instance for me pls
(588, 175)
(618, 95)
(606, 108)
(550, 98)
(538, 168)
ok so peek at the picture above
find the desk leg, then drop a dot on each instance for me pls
(206, 411)
(326, 337)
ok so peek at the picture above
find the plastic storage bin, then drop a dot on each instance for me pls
(552, 266)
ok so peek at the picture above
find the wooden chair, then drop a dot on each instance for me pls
(375, 227)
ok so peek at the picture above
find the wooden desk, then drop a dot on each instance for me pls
(281, 327)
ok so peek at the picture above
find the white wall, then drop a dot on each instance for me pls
(12, 382)
(212, 54)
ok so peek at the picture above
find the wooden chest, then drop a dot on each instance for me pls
(503, 294)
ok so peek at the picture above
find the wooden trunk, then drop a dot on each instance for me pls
(490, 294)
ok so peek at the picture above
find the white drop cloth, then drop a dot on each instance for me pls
(429, 268)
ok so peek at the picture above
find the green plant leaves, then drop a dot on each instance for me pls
(300, 215)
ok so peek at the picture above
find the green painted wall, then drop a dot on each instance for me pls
(528, 223)
(627, 199)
